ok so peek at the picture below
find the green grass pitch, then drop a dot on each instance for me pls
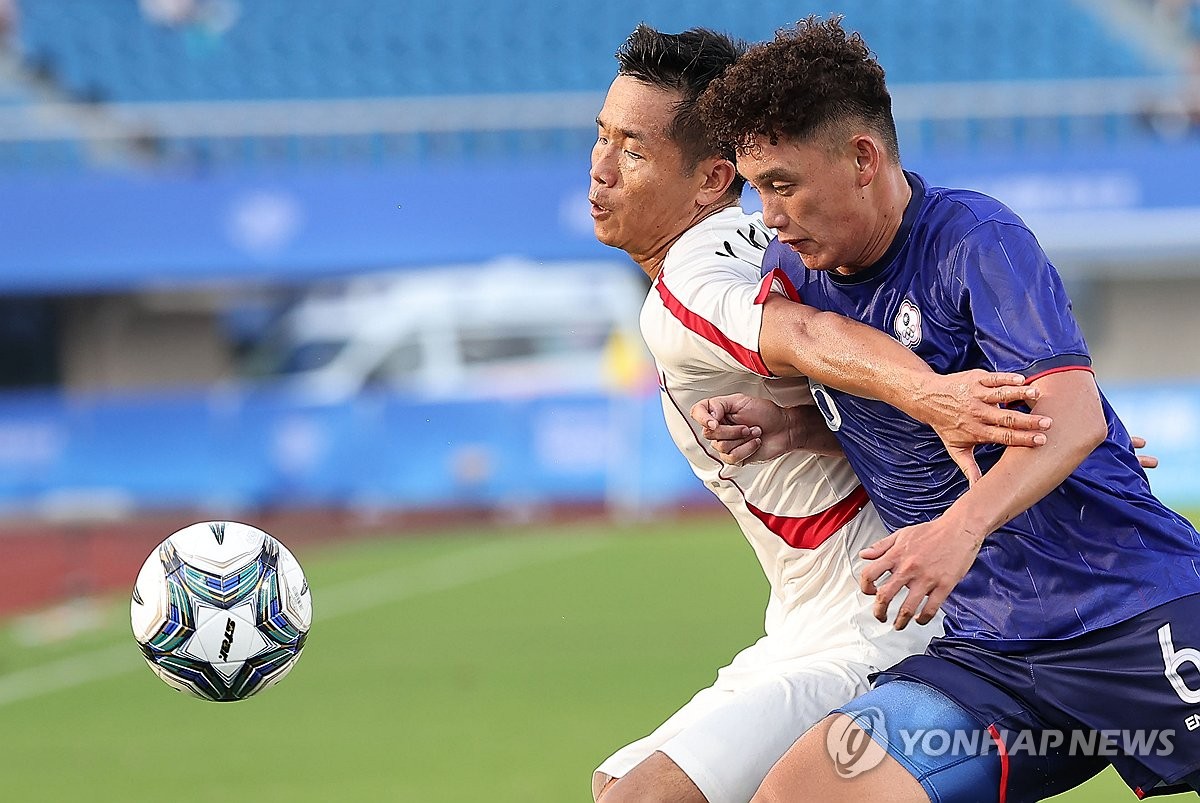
(499, 666)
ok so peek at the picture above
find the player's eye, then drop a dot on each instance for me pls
(633, 155)
(782, 189)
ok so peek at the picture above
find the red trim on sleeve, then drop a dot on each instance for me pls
(1059, 370)
(768, 282)
(1140, 794)
(809, 532)
(710, 332)
(1003, 761)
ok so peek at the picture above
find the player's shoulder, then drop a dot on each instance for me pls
(956, 212)
(729, 240)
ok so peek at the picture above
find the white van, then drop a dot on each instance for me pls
(498, 329)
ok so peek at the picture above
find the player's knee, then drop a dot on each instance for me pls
(656, 780)
(600, 783)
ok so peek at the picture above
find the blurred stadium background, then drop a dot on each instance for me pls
(327, 268)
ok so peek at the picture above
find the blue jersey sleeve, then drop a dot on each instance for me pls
(1015, 299)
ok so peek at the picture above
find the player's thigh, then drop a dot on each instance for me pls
(657, 779)
(901, 741)
(808, 772)
(953, 752)
(729, 735)
(729, 751)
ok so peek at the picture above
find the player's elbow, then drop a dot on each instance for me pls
(1097, 431)
(1090, 430)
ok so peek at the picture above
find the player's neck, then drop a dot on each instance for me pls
(894, 195)
(652, 261)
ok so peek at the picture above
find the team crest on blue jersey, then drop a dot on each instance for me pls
(908, 324)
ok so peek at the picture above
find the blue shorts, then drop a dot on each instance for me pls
(1015, 721)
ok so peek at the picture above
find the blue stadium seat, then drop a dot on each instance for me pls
(309, 48)
(287, 49)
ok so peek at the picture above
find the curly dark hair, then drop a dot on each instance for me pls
(685, 63)
(810, 81)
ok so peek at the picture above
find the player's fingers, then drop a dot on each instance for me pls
(883, 597)
(868, 579)
(729, 432)
(701, 412)
(995, 379)
(1013, 419)
(1147, 461)
(712, 411)
(1013, 437)
(734, 452)
(877, 549)
(1138, 441)
(965, 460)
(933, 604)
(744, 452)
(1008, 394)
(916, 593)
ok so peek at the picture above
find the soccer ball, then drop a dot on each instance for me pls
(221, 610)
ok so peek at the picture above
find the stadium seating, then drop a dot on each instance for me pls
(35, 154)
(109, 51)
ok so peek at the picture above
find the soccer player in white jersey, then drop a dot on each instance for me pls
(663, 193)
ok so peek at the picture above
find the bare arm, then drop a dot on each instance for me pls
(740, 426)
(798, 340)
(929, 559)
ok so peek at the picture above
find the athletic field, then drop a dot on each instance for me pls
(498, 665)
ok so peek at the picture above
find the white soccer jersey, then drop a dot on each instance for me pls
(806, 517)
(701, 321)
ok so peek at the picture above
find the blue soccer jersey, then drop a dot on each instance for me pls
(966, 285)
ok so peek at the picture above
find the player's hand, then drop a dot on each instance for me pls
(1145, 460)
(740, 427)
(928, 559)
(964, 410)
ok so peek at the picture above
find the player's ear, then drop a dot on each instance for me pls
(717, 175)
(867, 158)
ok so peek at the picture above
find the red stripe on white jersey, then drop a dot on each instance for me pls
(809, 532)
(768, 282)
(710, 332)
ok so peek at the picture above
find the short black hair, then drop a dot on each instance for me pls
(813, 78)
(685, 63)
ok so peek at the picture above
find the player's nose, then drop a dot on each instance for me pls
(774, 214)
(603, 167)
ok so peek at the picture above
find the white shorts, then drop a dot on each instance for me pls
(730, 734)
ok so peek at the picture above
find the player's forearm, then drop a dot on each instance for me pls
(1023, 476)
(807, 431)
(844, 354)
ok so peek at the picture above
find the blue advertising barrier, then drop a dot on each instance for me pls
(234, 449)
(98, 230)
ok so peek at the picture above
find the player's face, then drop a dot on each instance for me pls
(643, 196)
(812, 195)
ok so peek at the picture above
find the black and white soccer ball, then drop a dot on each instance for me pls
(221, 610)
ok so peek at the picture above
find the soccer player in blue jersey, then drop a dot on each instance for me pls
(1071, 594)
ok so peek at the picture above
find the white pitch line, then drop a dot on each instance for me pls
(66, 672)
(461, 568)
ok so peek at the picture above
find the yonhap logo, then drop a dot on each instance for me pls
(850, 743)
